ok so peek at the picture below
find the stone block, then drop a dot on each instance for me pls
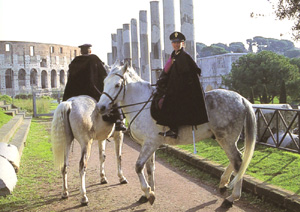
(8, 177)
(11, 154)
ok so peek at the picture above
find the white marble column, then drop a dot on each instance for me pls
(187, 25)
(145, 72)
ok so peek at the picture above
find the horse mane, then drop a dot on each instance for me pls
(130, 73)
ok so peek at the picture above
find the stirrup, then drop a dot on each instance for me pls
(169, 133)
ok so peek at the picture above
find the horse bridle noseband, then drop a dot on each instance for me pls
(122, 85)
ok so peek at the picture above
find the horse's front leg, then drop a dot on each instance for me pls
(102, 156)
(150, 166)
(147, 151)
(85, 154)
(118, 138)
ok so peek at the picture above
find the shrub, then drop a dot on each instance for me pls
(6, 98)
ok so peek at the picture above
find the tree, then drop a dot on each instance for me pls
(289, 9)
(199, 47)
(282, 98)
(258, 70)
(237, 47)
(212, 50)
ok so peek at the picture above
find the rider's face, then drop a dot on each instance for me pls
(177, 45)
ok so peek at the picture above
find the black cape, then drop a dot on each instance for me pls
(183, 97)
(85, 73)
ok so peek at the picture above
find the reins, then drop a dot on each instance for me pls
(130, 105)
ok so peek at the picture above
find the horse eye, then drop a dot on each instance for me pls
(117, 85)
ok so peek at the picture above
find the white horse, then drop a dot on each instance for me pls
(78, 118)
(228, 112)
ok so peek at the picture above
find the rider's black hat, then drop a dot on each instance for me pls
(85, 45)
(177, 37)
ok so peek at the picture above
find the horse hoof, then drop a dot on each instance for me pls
(151, 199)
(222, 190)
(226, 204)
(123, 181)
(143, 199)
(84, 201)
(65, 195)
(103, 181)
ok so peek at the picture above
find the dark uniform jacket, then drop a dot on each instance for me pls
(85, 72)
(180, 92)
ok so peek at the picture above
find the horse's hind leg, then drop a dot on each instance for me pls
(225, 178)
(235, 159)
(64, 171)
(118, 138)
(85, 154)
(102, 156)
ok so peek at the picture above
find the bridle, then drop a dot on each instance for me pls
(121, 88)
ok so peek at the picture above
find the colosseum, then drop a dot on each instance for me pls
(25, 66)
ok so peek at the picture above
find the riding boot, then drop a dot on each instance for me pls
(172, 132)
(120, 126)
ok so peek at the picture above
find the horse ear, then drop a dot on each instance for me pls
(125, 66)
(117, 63)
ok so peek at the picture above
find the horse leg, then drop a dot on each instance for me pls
(234, 156)
(225, 178)
(150, 166)
(146, 152)
(85, 154)
(102, 156)
(64, 172)
(118, 138)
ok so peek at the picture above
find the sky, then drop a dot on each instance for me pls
(75, 22)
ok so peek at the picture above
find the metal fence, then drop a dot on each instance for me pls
(278, 128)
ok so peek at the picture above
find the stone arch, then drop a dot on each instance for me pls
(44, 79)
(9, 76)
(53, 79)
(21, 78)
(33, 77)
(62, 80)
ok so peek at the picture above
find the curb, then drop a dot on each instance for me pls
(265, 191)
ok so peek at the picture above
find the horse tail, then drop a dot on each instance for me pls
(59, 133)
(250, 140)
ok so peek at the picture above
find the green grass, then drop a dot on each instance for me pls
(42, 105)
(4, 118)
(274, 166)
(36, 171)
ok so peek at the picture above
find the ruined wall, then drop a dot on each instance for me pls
(27, 65)
(214, 67)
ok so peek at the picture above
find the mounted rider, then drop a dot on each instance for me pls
(179, 98)
(86, 76)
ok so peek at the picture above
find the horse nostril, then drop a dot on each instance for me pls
(102, 108)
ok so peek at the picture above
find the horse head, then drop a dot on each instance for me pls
(114, 88)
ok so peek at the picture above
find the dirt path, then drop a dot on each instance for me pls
(175, 191)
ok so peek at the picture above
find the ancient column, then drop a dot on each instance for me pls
(135, 47)
(126, 43)
(109, 59)
(156, 60)
(114, 47)
(187, 25)
(169, 27)
(145, 72)
(120, 44)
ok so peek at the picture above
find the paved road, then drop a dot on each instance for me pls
(175, 190)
